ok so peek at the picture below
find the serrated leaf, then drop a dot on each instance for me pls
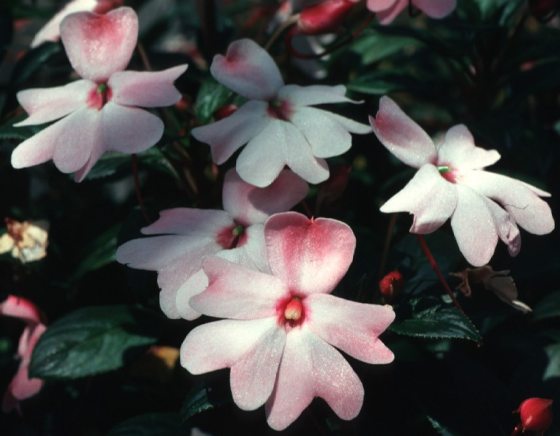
(212, 96)
(199, 400)
(92, 340)
(152, 424)
(8, 131)
(548, 307)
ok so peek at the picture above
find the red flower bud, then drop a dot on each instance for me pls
(225, 111)
(391, 284)
(324, 17)
(535, 414)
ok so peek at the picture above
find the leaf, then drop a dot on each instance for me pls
(200, 399)
(552, 369)
(152, 424)
(8, 131)
(548, 307)
(437, 322)
(375, 47)
(440, 429)
(33, 60)
(92, 340)
(211, 97)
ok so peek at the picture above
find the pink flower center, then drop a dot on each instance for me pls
(280, 109)
(291, 311)
(232, 237)
(99, 96)
(447, 173)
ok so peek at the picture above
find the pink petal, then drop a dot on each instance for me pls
(428, 196)
(146, 88)
(387, 16)
(313, 95)
(194, 285)
(312, 368)
(252, 253)
(435, 8)
(248, 70)
(48, 104)
(221, 344)
(249, 204)
(129, 130)
(19, 307)
(352, 327)
(401, 135)
(473, 227)
(458, 151)
(516, 197)
(237, 292)
(100, 45)
(227, 135)
(309, 255)
(506, 227)
(380, 5)
(189, 222)
(350, 125)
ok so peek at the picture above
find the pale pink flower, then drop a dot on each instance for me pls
(277, 123)
(100, 111)
(51, 30)
(451, 182)
(22, 387)
(388, 10)
(187, 235)
(283, 326)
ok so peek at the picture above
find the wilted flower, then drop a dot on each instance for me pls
(186, 236)
(283, 326)
(276, 123)
(388, 10)
(100, 111)
(26, 241)
(451, 182)
(22, 387)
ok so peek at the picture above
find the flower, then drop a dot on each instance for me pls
(276, 123)
(99, 113)
(26, 241)
(22, 387)
(451, 182)
(283, 326)
(535, 414)
(387, 10)
(186, 236)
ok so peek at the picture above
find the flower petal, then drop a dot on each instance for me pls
(19, 307)
(516, 197)
(248, 70)
(48, 104)
(437, 8)
(506, 227)
(428, 196)
(299, 157)
(401, 135)
(386, 16)
(312, 368)
(146, 88)
(459, 151)
(309, 255)
(250, 205)
(189, 222)
(237, 292)
(100, 45)
(352, 327)
(380, 5)
(314, 94)
(473, 226)
(194, 285)
(227, 135)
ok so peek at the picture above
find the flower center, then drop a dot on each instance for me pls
(447, 173)
(280, 109)
(291, 311)
(232, 237)
(99, 96)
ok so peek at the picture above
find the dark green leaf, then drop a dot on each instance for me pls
(552, 369)
(384, 82)
(8, 131)
(440, 429)
(153, 424)
(34, 60)
(548, 307)
(91, 341)
(374, 46)
(199, 399)
(212, 96)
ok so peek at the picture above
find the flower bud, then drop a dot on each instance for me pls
(391, 285)
(224, 111)
(324, 17)
(535, 414)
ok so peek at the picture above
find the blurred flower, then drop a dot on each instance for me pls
(391, 285)
(186, 236)
(388, 10)
(22, 387)
(450, 182)
(99, 111)
(283, 326)
(26, 241)
(276, 123)
(324, 17)
(535, 414)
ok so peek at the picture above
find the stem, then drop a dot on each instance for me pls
(207, 14)
(144, 57)
(433, 263)
(280, 30)
(134, 162)
(387, 244)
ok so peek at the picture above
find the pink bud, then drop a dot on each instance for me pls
(391, 284)
(535, 414)
(324, 17)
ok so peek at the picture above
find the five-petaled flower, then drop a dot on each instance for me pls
(451, 182)
(283, 325)
(388, 10)
(187, 235)
(276, 123)
(100, 110)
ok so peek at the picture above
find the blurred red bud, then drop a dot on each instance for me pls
(535, 414)
(324, 17)
(391, 284)
(224, 111)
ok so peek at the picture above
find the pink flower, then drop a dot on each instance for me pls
(186, 236)
(277, 123)
(283, 326)
(451, 182)
(22, 387)
(388, 10)
(100, 111)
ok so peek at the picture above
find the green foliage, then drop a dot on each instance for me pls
(152, 424)
(211, 96)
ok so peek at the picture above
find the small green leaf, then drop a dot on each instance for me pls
(199, 399)
(8, 131)
(152, 424)
(98, 253)
(91, 341)
(375, 47)
(548, 307)
(211, 97)
(552, 369)
(33, 60)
